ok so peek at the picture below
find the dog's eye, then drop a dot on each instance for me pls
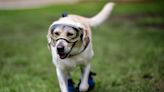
(69, 34)
(56, 33)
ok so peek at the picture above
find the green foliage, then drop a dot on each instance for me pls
(128, 56)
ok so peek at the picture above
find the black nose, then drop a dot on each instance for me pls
(60, 48)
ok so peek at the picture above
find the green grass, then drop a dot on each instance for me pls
(129, 57)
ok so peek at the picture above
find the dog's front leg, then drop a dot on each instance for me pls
(84, 79)
(62, 77)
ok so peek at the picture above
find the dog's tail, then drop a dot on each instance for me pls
(101, 16)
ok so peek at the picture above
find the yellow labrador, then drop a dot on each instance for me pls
(70, 43)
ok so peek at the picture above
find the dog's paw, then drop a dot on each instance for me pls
(83, 87)
(88, 87)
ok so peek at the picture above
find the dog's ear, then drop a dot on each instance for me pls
(84, 36)
(49, 38)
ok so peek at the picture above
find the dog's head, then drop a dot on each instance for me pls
(67, 38)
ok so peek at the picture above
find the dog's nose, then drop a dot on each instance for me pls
(60, 48)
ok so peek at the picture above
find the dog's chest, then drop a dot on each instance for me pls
(71, 63)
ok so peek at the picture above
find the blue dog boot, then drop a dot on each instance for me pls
(70, 85)
(91, 81)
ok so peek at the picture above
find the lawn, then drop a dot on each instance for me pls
(129, 48)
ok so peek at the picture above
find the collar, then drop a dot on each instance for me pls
(84, 48)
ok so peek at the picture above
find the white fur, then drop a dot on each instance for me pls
(64, 66)
(101, 16)
(68, 22)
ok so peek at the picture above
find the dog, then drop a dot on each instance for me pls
(70, 43)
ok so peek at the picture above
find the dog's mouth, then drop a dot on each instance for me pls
(62, 55)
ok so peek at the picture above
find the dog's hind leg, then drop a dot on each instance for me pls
(70, 84)
(84, 79)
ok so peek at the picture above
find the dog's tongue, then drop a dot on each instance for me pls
(62, 55)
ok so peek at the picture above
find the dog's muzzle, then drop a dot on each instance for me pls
(61, 52)
(60, 48)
